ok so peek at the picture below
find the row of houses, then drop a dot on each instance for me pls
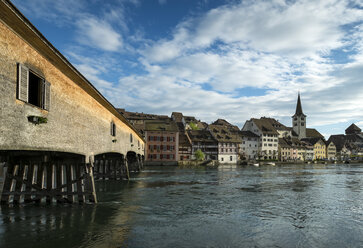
(178, 137)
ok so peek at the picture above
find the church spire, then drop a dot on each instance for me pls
(298, 106)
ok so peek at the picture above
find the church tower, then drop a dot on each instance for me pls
(299, 120)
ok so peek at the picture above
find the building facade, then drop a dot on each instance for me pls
(249, 146)
(331, 150)
(162, 142)
(227, 144)
(268, 143)
(203, 140)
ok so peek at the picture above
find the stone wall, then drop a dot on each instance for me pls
(77, 122)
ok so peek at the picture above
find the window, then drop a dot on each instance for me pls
(302, 123)
(130, 137)
(230, 158)
(113, 129)
(32, 89)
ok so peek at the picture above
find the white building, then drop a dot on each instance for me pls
(268, 143)
(250, 145)
(227, 144)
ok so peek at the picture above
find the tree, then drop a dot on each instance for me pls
(199, 155)
(193, 126)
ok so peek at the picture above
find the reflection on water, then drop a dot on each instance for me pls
(290, 206)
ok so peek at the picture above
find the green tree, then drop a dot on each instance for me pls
(199, 155)
(193, 126)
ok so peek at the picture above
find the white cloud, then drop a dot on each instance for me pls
(282, 47)
(302, 28)
(100, 34)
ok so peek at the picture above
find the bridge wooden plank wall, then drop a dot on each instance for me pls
(34, 181)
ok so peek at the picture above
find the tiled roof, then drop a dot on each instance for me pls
(178, 117)
(338, 140)
(201, 136)
(265, 125)
(313, 133)
(248, 134)
(190, 119)
(141, 116)
(161, 125)
(275, 123)
(353, 129)
(312, 141)
(223, 134)
(283, 143)
(225, 123)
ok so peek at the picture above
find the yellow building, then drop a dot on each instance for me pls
(319, 150)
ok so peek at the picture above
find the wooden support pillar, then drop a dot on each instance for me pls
(29, 182)
(59, 176)
(79, 174)
(39, 181)
(69, 183)
(19, 176)
(49, 171)
(91, 184)
(127, 170)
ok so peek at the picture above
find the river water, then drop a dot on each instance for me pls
(287, 206)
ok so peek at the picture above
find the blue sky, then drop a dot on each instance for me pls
(216, 59)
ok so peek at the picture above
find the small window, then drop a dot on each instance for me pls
(230, 158)
(131, 138)
(113, 129)
(302, 123)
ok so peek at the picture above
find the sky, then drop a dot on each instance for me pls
(213, 59)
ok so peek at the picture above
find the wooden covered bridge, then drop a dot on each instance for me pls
(57, 132)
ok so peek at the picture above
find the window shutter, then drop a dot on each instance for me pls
(46, 95)
(23, 83)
